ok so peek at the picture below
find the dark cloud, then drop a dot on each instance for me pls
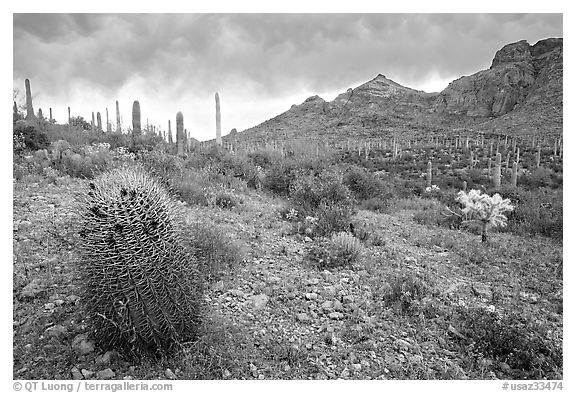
(268, 55)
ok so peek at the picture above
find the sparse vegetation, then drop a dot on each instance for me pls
(315, 261)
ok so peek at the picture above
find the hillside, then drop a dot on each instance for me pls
(521, 93)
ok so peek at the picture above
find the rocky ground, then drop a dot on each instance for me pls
(275, 316)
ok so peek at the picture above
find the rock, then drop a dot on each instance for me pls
(260, 301)
(49, 306)
(345, 373)
(505, 367)
(402, 345)
(218, 286)
(72, 298)
(329, 292)
(226, 373)
(82, 345)
(105, 374)
(87, 373)
(335, 315)
(303, 317)
(59, 302)
(128, 378)
(307, 239)
(56, 331)
(31, 290)
(482, 290)
(106, 358)
(337, 305)
(327, 305)
(236, 293)
(169, 374)
(311, 296)
(356, 367)
(76, 374)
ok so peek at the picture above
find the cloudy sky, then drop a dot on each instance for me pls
(260, 64)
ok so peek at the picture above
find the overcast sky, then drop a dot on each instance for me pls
(260, 64)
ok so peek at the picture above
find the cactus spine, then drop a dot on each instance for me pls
(429, 175)
(136, 130)
(498, 172)
(514, 176)
(118, 127)
(180, 133)
(218, 121)
(29, 109)
(142, 287)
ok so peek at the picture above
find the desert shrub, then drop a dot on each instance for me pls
(225, 200)
(168, 168)
(343, 249)
(524, 344)
(537, 211)
(265, 158)
(28, 136)
(280, 176)
(191, 188)
(403, 292)
(216, 252)
(363, 184)
(377, 204)
(310, 192)
(332, 218)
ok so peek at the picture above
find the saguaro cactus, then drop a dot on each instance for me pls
(498, 171)
(514, 176)
(489, 167)
(118, 127)
(218, 121)
(50, 119)
(29, 109)
(99, 121)
(180, 133)
(69, 117)
(538, 158)
(136, 130)
(93, 122)
(429, 175)
(108, 125)
(170, 140)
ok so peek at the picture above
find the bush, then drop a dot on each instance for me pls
(28, 136)
(343, 249)
(332, 218)
(363, 184)
(216, 253)
(404, 292)
(308, 193)
(280, 176)
(523, 344)
(225, 200)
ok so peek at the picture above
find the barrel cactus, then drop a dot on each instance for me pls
(141, 285)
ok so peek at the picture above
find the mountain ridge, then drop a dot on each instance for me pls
(520, 93)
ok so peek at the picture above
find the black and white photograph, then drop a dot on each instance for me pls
(287, 196)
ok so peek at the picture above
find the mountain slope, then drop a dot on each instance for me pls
(520, 93)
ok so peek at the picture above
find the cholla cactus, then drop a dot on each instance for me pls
(489, 210)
